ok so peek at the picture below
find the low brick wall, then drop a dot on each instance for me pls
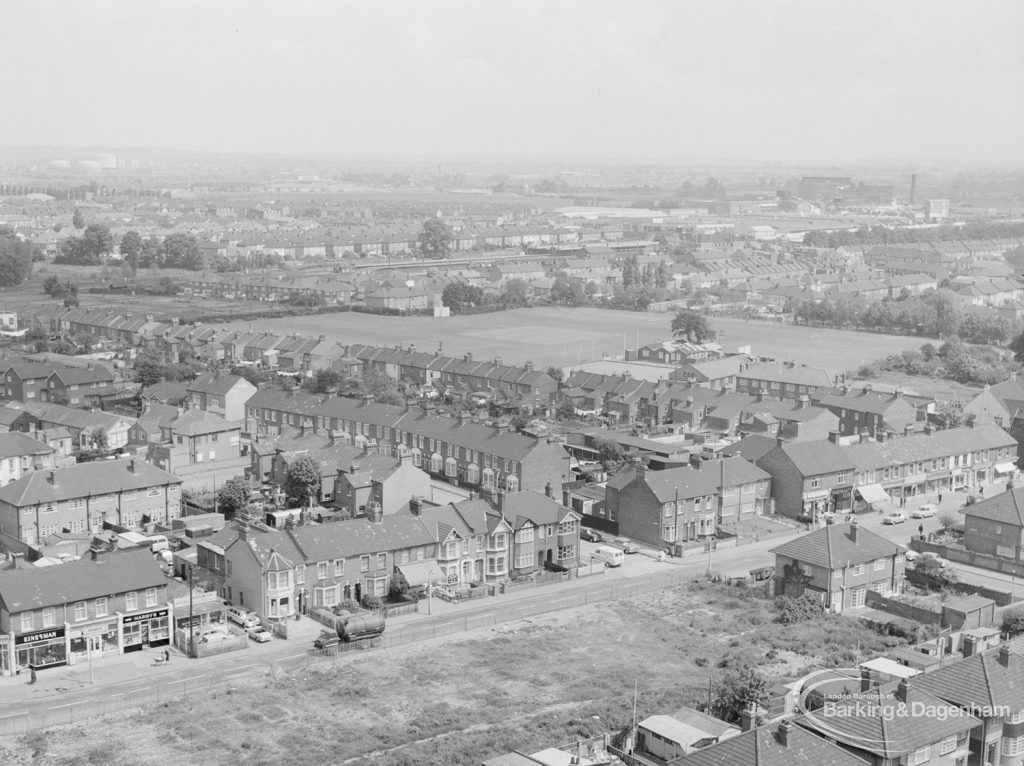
(901, 609)
(961, 555)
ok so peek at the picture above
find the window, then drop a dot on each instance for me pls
(300, 575)
(382, 561)
(101, 607)
(27, 622)
(837, 573)
(339, 567)
(498, 540)
(131, 601)
(511, 483)
(1017, 717)
(80, 611)
(523, 560)
(921, 755)
(436, 463)
(525, 535)
(48, 617)
(321, 570)
(364, 563)
(948, 745)
(473, 474)
(566, 552)
(451, 467)
(878, 565)
(815, 482)
(857, 596)
(567, 527)
(1013, 745)
(150, 596)
(153, 492)
(841, 478)
(857, 569)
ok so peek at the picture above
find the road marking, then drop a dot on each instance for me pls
(184, 680)
(70, 704)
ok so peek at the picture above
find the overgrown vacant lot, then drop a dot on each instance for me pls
(525, 685)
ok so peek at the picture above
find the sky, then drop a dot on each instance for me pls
(765, 80)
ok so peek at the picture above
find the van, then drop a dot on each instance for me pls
(158, 543)
(242, 617)
(612, 557)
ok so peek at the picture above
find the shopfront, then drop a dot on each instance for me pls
(40, 649)
(97, 638)
(150, 628)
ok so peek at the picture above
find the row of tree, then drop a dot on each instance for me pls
(936, 313)
(177, 251)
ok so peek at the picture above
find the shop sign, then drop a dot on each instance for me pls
(39, 635)
(143, 616)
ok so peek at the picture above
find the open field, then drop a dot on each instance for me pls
(560, 336)
(524, 685)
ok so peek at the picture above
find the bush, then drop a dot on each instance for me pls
(349, 605)
(794, 610)
(372, 602)
(1013, 621)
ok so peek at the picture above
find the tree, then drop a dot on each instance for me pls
(56, 288)
(692, 326)
(233, 497)
(738, 691)
(515, 293)
(131, 249)
(435, 238)
(567, 292)
(950, 412)
(302, 483)
(149, 371)
(950, 520)
(78, 219)
(323, 381)
(459, 296)
(1013, 622)
(15, 259)
(1017, 347)
(180, 251)
(98, 241)
(99, 440)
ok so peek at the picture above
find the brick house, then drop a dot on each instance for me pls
(83, 497)
(221, 394)
(80, 386)
(995, 525)
(543, 532)
(781, 381)
(839, 563)
(679, 505)
(796, 422)
(107, 603)
(990, 683)
(863, 409)
(21, 454)
(809, 478)
(473, 540)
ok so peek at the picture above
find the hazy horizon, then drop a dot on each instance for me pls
(781, 82)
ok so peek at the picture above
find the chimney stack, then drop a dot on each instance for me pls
(548, 491)
(748, 717)
(1004, 655)
(131, 466)
(50, 478)
(902, 691)
(833, 436)
(375, 512)
(783, 733)
(854, 530)
(415, 505)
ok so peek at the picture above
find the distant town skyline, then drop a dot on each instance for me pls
(799, 81)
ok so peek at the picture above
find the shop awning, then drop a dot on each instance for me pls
(1005, 468)
(422, 573)
(873, 493)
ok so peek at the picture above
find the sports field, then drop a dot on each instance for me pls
(561, 336)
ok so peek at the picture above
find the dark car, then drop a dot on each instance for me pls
(592, 535)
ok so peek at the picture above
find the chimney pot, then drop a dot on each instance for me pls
(902, 690)
(783, 733)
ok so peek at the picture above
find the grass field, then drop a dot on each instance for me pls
(561, 336)
(525, 685)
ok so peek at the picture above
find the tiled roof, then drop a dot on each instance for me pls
(833, 547)
(784, 373)
(858, 400)
(763, 747)
(751, 448)
(198, 422)
(214, 383)
(1005, 508)
(16, 444)
(880, 722)
(693, 482)
(84, 479)
(942, 443)
(114, 572)
(521, 507)
(814, 458)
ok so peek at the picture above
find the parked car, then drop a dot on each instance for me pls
(242, 617)
(912, 555)
(626, 545)
(258, 634)
(926, 511)
(896, 517)
(591, 535)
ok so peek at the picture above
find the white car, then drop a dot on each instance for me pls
(896, 517)
(258, 633)
(926, 511)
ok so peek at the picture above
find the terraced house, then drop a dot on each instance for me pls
(456, 450)
(84, 497)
